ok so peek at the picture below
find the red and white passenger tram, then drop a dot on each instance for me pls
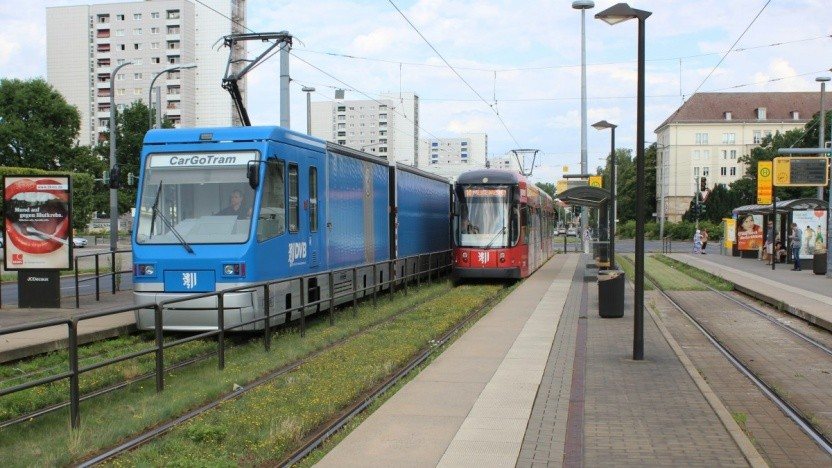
(503, 226)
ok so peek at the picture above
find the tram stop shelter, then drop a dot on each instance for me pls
(784, 210)
(598, 198)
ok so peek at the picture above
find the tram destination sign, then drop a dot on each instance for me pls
(801, 171)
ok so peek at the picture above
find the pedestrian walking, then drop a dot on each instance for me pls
(697, 242)
(796, 242)
(769, 251)
(704, 237)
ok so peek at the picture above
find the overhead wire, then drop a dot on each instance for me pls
(491, 106)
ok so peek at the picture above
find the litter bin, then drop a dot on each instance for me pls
(611, 293)
(819, 263)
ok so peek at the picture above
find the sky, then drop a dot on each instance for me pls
(508, 68)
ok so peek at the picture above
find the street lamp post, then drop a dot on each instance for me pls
(150, 90)
(601, 126)
(113, 191)
(821, 143)
(583, 5)
(614, 15)
(308, 90)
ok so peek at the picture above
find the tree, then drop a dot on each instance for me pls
(547, 187)
(38, 128)
(131, 127)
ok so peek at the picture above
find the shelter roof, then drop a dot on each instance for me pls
(584, 195)
(784, 206)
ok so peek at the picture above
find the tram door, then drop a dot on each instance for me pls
(313, 215)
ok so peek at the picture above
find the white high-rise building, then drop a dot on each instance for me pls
(450, 157)
(85, 43)
(387, 127)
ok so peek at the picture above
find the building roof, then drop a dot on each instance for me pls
(712, 107)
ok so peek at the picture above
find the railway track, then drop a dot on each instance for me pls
(760, 345)
(143, 438)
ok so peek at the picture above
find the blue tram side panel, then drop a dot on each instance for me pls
(309, 207)
(357, 188)
(423, 212)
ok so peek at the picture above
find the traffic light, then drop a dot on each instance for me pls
(114, 176)
(703, 184)
(694, 211)
(131, 179)
(703, 209)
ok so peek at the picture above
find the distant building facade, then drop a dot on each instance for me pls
(450, 157)
(387, 127)
(85, 43)
(708, 134)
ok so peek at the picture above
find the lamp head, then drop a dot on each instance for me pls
(583, 4)
(621, 12)
(603, 124)
(308, 89)
(822, 79)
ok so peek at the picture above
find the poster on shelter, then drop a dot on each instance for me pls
(813, 225)
(749, 232)
(38, 222)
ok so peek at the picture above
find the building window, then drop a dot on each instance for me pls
(701, 138)
(156, 60)
(727, 116)
(137, 16)
(696, 154)
(119, 32)
(120, 76)
(724, 154)
(761, 113)
(706, 171)
(723, 171)
(173, 29)
(729, 138)
(137, 46)
(734, 171)
(137, 76)
(137, 31)
(137, 91)
(154, 30)
(695, 172)
(154, 45)
(155, 15)
(733, 154)
(120, 17)
(121, 47)
(758, 137)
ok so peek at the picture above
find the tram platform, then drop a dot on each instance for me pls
(543, 380)
(24, 344)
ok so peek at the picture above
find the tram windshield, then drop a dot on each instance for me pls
(483, 216)
(195, 198)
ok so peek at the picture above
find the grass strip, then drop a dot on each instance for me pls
(264, 425)
(711, 280)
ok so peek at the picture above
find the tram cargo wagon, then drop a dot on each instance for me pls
(503, 226)
(223, 208)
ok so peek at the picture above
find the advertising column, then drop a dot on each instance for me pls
(37, 237)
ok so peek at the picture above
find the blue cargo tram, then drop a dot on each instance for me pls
(222, 208)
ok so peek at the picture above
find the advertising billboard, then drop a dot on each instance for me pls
(813, 225)
(38, 222)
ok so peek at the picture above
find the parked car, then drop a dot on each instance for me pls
(79, 242)
(562, 231)
(571, 232)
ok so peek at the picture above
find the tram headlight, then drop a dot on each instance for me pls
(144, 269)
(234, 269)
(502, 257)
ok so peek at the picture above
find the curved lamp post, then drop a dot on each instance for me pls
(601, 126)
(150, 90)
(614, 15)
(113, 191)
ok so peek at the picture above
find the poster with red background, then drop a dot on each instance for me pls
(38, 222)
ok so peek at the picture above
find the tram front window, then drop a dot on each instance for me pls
(187, 203)
(484, 217)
